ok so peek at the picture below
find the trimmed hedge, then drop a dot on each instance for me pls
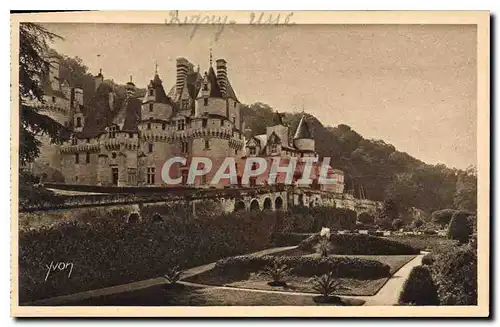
(428, 259)
(309, 266)
(288, 239)
(419, 288)
(360, 244)
(107, 253)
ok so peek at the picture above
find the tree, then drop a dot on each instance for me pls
(466, 190)
(419, 288)
(33, 67)
(442, 217)
(460, 227)
(390, 210)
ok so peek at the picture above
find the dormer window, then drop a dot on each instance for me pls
(180, 124)
(185, 104)
(253, 151)
(150, 107)
(205, 87)
(274, 148)
(78, 121)
(112, 132)
(151, 92)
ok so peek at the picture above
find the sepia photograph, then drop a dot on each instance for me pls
(194, 163)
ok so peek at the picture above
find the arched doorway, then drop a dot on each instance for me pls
(278, 204)
(239, 206)
(268, 204)
(254, 205)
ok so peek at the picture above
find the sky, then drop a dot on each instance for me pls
(413, 86)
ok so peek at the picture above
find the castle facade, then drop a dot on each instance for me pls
(125, 143)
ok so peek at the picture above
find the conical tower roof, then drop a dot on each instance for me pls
(303, 129)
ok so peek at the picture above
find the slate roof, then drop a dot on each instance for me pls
(214, 85)
(303, 130)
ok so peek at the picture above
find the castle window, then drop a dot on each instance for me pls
(185, 104)
(149, 125)
(204, 123)
(112, 132)
(113, 155)
(207, 145)
(274, 148)
(184, 147)
(87, 157)
(74, 141)
(131, 176)
(205, 87)
(205, 101)
(163, 126)
(130, 135)
(180, 125)
(150, 147)
(253, 151)
(54, 99)
(77, 158)
(150, 176)
(151, 92)
(235, 104)
(150, 107)
(78, 121)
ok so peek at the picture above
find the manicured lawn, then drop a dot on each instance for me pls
(191, 296)
(349, 286)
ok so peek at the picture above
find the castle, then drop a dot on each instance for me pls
(125, 143)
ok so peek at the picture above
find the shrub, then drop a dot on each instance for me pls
(360, 244)
(107, 253)
(428, 259)
(173, 275)
(418, 223)
(277, 272)
(308, 266)
(460, 227)
(455, 273)
(397, 224)
(442, 217)
(419, 288)
(326, 284)
(366, 219)
(324, 246)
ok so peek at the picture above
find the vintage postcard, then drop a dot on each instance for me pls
(250, 164)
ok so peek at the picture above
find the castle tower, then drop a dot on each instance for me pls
(54, 66)
(130, 87)
(156, 105)
(98, 79)
(303, 139)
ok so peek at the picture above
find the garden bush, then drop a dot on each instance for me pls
(419, 288)
(360, 244)
(107, 252)
(288, 239)
(428, 259)
(460, 227)
(308, 266)
(455, 273)
(366, 219)
(442, 217)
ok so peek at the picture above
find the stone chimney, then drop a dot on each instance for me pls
(130, 88)
(222, 76)
(183, 66)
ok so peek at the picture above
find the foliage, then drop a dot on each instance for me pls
(460, 227)
(455, 273)
(288, 239)
(466, 194)
(360, 244)
(276, 271)
(397, 224)
(366, 218)
(31, 193)
(304, 219)
(324, 246)
(428, 259)
(108, 252)
(33, 69)
(173, 275)
(418, 223)
(419, 288)
(423, 242)
(443, 217)
(344, 267)
(326, 284)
